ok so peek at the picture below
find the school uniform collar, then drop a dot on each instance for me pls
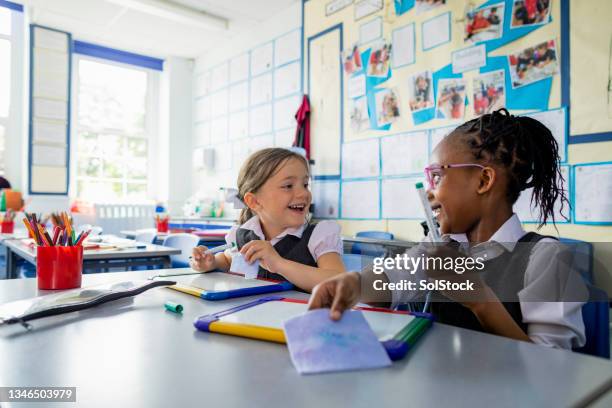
(507, 235)
(253, 224)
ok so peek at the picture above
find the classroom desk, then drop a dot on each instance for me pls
(95, 260)
(206, 236)
(4, 251)
(134, 353)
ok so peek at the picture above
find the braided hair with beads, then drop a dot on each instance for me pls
(527, 149)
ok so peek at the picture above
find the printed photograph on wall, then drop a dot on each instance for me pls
(484, 24)
(420, 91)
(387, 106)
(489, 92)
(533, 64)
(358, 112)
(423, 6)
(530, 12)
(451, 98)
(351, 60)
(380, 59)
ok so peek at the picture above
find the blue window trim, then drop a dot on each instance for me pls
(12, 6)
(98, 51)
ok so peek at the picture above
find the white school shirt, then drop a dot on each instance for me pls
(325, 237)
(552, 324)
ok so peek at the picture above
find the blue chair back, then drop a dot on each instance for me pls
(596, 316)
(583, 257)
(356, 262)
(184, 242)
(370, 249)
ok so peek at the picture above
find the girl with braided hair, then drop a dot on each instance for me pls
(525, 290)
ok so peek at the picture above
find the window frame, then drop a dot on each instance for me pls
(151, 129)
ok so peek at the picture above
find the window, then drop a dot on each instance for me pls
(5, 77)
(113, 131)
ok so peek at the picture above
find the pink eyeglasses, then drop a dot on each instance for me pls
(434, 172)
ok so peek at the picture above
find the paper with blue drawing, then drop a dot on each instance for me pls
(318, 344)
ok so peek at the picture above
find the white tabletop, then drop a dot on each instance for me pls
(134, 353)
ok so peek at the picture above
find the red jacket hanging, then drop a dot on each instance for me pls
(302, 132)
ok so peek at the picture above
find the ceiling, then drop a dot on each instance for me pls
(133, 26)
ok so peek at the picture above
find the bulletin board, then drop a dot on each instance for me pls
(49, 130)
(410, 71)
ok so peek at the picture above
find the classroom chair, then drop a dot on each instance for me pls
(148, 237)
(596, 316)
(583, 257)
(184, 242)
(356, 262)
(371, 249)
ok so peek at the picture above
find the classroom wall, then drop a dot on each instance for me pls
(316, 22)
(206, 182)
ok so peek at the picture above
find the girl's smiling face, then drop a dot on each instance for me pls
(284, 199)
(455, 197)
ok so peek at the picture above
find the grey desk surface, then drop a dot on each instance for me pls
(134, 353)
(28, 253)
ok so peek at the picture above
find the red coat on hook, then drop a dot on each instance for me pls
(302, 132)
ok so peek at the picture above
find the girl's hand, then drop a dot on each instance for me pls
(476, 290)
(339, 293)
(264, 252)
(200, 260)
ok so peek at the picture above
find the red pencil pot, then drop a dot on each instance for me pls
(59, 267)
(162, 225)
(7, 227)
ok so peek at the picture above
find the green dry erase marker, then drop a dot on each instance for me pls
(173, 307)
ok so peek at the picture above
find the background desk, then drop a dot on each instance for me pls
(214, 236)
(134, 353)
(95, 260)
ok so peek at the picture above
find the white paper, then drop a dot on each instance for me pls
(48, 156)
(403, 40)
(360, 159)
(48, 61)
(239, 125)
(223, 157)
(202, 134)
(469, 59)
(260, 120)
(364, 8)
(261, 89)
(370, 31)
(239, 68)
(53, 86)
(261, 59)
(284, 138)
(51, 40)
(219, 103)
(593, 193)
(404, 154)
(239, 96)
(287, 80)
(203, 108)
(203, 82)
(436, 136)
(51, 132)
(436, 31)
(326, 198)
(335, 6)
(220, 76)
(287, 48)
(360, 199)
(556, 122)
(241, 266)
(50, 109)
(527, 213)
(356, 86)
(358, 114)
(400, 198)
(260, 142)
(284, 112)
(218, 130)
